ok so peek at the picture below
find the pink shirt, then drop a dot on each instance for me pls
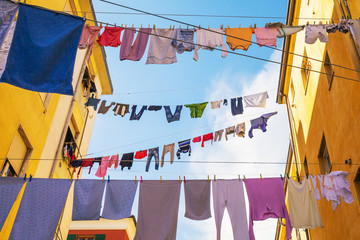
(266, 36)
(101, 172)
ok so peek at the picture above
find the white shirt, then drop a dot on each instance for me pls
(256, 100)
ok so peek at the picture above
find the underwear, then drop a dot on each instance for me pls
(168, 148)
(218, 135)
(104, 109)
(153, 152)
(313, 32)
(136, 51)
(236, 43)
(88, 162)
(127, 160)
(140, 154)
(75, 163)
(260, 123)
(92, 102)
(207, 137)
(121, 109)
(170, 117)
(240, 130)
(154, 108)
(186, 35)
(237, 108)
(196, 139)
(288, 30)
(184, 147)
(137, 116)
(229, 130)
(114, 160)
(110, 37)
(266, 36)
(197, 109)
(216, 104)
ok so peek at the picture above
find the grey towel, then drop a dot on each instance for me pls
(197, 199)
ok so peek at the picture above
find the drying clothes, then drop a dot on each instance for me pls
(157, 218)
(216, 104)
(173, 117)
(38, 216)
(196, 109)
(119, 199)
(355, 30)
(266, 200)
(161, 51)
(110, 37)
(186, 35)
(170, 148)
(102, 169)
(97, 160)
(88, 162)
(225, 103)
(242, 38)
(88, 37)
(121, 109)
(5, 47)
(75, 163)
(274, 25)
(153, 152)
(256, 100)
(127, 160)
(343, 26)
(266, 36)
(88, 194)
(154, 108)
(260, 123)
(7, 15)
(240, 130)
(184, 147)
(137, 116)
(208, 40)
(104, 109)
(136, 51)
(197, 199)
(218, 135)
(92, 87)
(230, 194)
(316, 190)
(140, 154)
(288, 30)
(314, 32)
(114, 160)
(236, 107)
(207, 137)
(230, 130)
(303, 209)
(196, 139)
(92, 102)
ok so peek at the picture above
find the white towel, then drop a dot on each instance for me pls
(256, 100)
(161, 50)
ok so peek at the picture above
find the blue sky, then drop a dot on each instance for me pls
(210, 78)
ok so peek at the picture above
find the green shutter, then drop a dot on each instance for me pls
(71, 237)
(100, 237)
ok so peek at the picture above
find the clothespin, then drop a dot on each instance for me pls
(25, 177)
(108, 178)
(161, 179)
(141, 26)
(199, 27)
(84, 15)
(287, 175)
(125, 25)
(244, 178)
(214, 178)
(251, 26)
(135, 180)
(228, 26)
(239, 177)
(115, 24)
(170, 27)
(208, 26)
(255, 25)
(187, 27)
(179, 179)
(101, 24)
(222, 26)
(133, 26)
(141, 179)
(208, 179)
(307, 23)
(154, 27)
(103, 179)
(281, 177)
(239, 25)
(122, 25)
(173, 27)
(320, 22)
(180, 26)
(149, 25)
(30, 178)
(184, 180)
(260, 176)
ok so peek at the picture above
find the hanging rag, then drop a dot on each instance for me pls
(256, 100)
(110, 37)
(266, 36)
(288, 30)
(215, 104)
(196, 139)
(196, 109)
(314, 32)
(207, 137)
(209, 41)
(102, 169)
(229, 131)
(127, 160)
(197, 199)
(137, 116)
(170, 148)
(236, 106)
(218, 135)
(88, 162)
(88, 36)
(103, 108)
(7, 15)
(140, 154)
(92, 102)
(240, 130)
(239, 38)
(161, 50)
(184, 147)
(153, 152)
(184, 40)
(154, 108)
(114, 160)
(136, 51)
(260, 123)
(173, 117)
(121, 109)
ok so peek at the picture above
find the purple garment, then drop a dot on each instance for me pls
(266, 200)
(197, 199)
(8, 11)
(260, 123)
(136, 51)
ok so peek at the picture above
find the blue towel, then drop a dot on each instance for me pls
(9, 189)
(40, 209)
(8, 11)
(119, 199)
(43, 51)
(87, 199)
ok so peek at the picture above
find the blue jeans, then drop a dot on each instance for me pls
(170, 117)
(153, 152)
(137, 116)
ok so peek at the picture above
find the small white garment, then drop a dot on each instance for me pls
(314, 32)
(216, 104)
(316, 190)
(256, 100)
(161, 50)
(209, 41)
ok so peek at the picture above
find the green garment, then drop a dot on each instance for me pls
(196, 109)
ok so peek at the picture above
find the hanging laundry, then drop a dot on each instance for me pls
(256, 100)
(288, 30)
(7, 15)
(173, 117)
(230, 194)
(153, 152)
(343, 27)
(184, 147)
(41, 205)
(88, 194)
(103, 108)
(303, 209)
(225, 103)
(186, 35)
(102, 169)
(75, 163)
(110, 37)
(242, 38)
(137, 116)
(230, 130)
(266, 200)
(314, 32)
(196, 139)
(322, 186)
(207, 137)
(136, 51)
(197, 199)
(154, 220)
(127, 160)
(170, 148)
(35, 28)
(88, 36)
(316, 190)
(141, 154)
(196, 109)
(266, 36)
(5, 47)
(88, 162)
(92, 87)
(240, 130)
(355, 30)
(161, 50)
(114, 160)
(154, 108)
(260, 123)
(208, 40)
(119, 199)
(218, 135)
(92, 102)
(121, 109)
(216, 104)
(236, 106)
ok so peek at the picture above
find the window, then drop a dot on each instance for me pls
(328, 69)
(324, 157)
(305, 70)
(357, 184)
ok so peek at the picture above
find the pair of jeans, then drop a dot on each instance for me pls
(173, 117)
(152, 152)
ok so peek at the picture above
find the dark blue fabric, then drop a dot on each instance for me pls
(8, 11)
(40, 209)
(236, 106)
(92, 102)
(137, 116)
(9, 189)
(43, 51)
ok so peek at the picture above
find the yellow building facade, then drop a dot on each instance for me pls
(323, 111)
(35, 126)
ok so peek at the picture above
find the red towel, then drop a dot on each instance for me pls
(207, 137)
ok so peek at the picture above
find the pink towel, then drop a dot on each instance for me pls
(114, 160)
(102, 169)
(88, 37)
(266, 36)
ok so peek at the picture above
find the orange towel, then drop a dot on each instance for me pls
(235, 43)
